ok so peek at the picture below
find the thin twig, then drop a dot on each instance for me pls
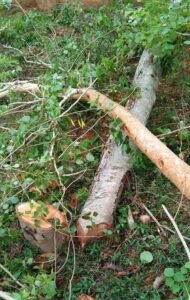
(11, 275)
(177, 231)
(4, 128)
(173, 132)
(179, 206)
(154, 219)
(74, 268)
(61, 185)
(39, 62)
(66, 259)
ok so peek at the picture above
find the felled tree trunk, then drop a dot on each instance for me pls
(110, 178)
(170, 165)
(37, 224)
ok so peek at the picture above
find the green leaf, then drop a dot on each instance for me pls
(179, 277)
(79, 162)
(168, 272)
(5, 206)
(146, 257)
(13, 199)
(25, 119)
(169, 282)
(108, 231)
(187, 265)
(184, 135)
(2, 233)
(187, 42)
(90, 157)
(37, 223)
(183, 270)
(10, 148)
(176, 288)
(16, 166)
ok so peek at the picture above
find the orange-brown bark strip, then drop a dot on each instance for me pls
(170, 165)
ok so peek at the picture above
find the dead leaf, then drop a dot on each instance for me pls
(89, 135)
(85, 297)
(73, 201)
(122, 273)
(144, 219)
(135, 212)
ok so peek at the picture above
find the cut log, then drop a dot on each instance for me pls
(36, 224)
(110, 178)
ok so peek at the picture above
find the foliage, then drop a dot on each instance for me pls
(73, 47)
(178, 281)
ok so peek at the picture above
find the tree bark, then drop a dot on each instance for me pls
(110, 178)
(170, 165)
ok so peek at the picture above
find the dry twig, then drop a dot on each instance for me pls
(177, 231)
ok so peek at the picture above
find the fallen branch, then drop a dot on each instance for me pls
(111, 176)
(170, 165)
(18, 86)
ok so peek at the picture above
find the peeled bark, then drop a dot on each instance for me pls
(38, 229)
(170, 165)
(110, 178)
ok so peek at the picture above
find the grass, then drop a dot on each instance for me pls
(81, 45)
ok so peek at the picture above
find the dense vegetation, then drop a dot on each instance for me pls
(72, 47)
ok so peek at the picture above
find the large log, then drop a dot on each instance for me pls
(170, 165)
(109, 181)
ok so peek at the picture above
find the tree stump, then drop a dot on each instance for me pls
(38, 225)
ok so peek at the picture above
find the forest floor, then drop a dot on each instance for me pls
(72, 47)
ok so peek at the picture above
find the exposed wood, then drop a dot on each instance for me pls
(110, 178)
(35, 222)
(170, 165)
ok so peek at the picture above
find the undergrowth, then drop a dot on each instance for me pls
(72, 47)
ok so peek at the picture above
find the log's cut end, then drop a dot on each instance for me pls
(86, 234)
(37, 226)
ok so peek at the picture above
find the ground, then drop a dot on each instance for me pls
(71, 48)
